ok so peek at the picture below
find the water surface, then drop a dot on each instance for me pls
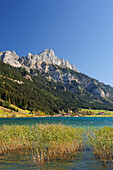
(84, 160)
(69, 121)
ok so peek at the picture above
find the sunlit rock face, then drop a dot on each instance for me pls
(47, 56)
(35, 61)
(10, 58)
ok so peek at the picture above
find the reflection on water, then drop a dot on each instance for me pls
(84, 160)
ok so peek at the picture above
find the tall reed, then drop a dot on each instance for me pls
(41, 143)
(101, 141)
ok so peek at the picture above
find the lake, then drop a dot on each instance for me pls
(84, 160)
(69, 121)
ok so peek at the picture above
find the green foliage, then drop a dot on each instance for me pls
(40, 94)
(7, 105)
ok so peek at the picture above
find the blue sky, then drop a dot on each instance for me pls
(80, 31)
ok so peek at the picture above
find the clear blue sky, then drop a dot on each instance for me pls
(80, 31)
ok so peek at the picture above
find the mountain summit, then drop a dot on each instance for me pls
(34, 61)
(10, 58)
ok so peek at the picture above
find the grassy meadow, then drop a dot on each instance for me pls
(8, 110)
(94, 113)
(7, 113)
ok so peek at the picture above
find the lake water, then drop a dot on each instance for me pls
(84, 160)
(69, 121)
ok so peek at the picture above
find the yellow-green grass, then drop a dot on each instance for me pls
(5, 112)
(99, 115)
(19, 109)
(106, 112)
(41, 143)
(101, 141)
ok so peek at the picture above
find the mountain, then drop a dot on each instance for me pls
(46, 80)
(34, 61)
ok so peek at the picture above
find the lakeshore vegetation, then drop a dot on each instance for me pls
(46, 143)
(101, 141)
(41, 143)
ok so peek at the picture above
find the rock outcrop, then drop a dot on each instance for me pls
(35, 61)
(10, 58)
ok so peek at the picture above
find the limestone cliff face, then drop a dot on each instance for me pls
(48, 57)
(10, 58)
(34, 61)
(82, 81)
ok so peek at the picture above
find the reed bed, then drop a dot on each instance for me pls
(101, 141)
(41, 143)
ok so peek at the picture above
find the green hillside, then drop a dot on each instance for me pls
(40, 93)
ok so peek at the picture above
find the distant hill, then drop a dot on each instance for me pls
(45, 82)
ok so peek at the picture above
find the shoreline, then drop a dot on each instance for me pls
(99, 116)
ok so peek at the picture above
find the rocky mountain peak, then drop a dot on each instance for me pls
(48, 56)
(34, 61)
(49, 51)
(10, 57)
(29, 55)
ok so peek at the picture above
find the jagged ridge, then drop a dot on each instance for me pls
(34, 61)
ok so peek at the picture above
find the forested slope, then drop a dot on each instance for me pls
(38, 93)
